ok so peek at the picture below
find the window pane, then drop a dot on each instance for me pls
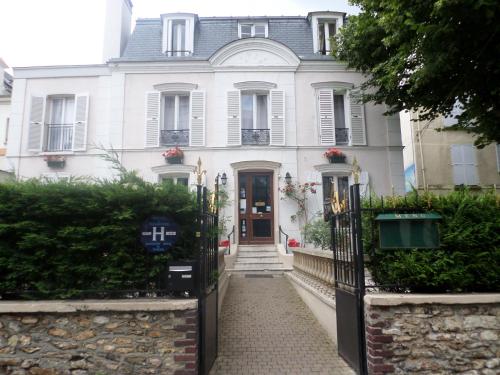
(178, 35)
(169, 113)
(183, 112)
(339, 111)
(246, 31)
(260, 31)
(182, 181)
(247, 111)
(327, 186)
(331, 29)
(321, 38)
(69, 111)
(57, 110)
(343, 187)
(262, 112)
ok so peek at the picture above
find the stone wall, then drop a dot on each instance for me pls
(433, 334)
(98, 337)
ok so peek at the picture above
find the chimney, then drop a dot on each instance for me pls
(116, 28)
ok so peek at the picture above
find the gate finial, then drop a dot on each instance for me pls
(199, 172)
(356, 170)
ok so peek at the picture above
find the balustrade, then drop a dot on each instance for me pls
(315, 263)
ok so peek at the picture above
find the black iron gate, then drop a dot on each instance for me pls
(348, 268)
(208, 278)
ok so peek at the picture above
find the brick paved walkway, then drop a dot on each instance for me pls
(265, 328)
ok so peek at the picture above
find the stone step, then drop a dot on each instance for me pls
(257, 261)
(275, 271)
(252, 255)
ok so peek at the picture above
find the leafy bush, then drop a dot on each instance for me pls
(59, 239)
(318, 232)
(468, 259)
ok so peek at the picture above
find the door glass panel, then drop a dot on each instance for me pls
(261, 228)
(343, 188)
(261, 194)
(243, 194)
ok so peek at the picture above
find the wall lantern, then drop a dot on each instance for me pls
(224, 179)
(288, 178)
(409, 230)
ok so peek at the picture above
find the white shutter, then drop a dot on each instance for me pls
(35, 133)
(153, 119)
(469, 152)
(358, 131)
(277, 118)
(463, 160)
(364, 181)
(457, 165)
(233, 118)
(81, 122)
(325, 109)
(197, 125)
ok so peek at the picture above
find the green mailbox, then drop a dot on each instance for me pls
(408, 231)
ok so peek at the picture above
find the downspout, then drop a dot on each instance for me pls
(419, 137)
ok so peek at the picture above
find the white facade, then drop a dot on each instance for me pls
(122, 105)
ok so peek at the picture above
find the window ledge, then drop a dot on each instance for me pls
(45, 153)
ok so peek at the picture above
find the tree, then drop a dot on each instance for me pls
(426, 55)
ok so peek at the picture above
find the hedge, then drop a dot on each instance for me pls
(468, 259)
(61, 240)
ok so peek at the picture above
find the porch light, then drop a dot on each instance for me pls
(224, 179)
(288, 178)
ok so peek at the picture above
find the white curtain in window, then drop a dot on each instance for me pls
(262, 112)
(169, 113)
(247, 111)
(57, 111)
(339, 111)
(69, 111)
(183, 112)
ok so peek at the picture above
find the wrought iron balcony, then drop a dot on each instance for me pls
(175, 137)
(341, 136)
(59, 137)
(255, 137)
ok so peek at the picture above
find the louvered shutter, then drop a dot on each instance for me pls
(364, 180)
(457, 165)
(152, 119)
(197, 126)
(358, 132)
(277, 118)
(233, 118)
(469, 155)
(35, 133)
(81, 122)
(326, 125)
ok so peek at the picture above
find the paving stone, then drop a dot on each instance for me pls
(265, 328)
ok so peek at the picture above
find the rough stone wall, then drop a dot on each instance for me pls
(433, 339)
(99, 343)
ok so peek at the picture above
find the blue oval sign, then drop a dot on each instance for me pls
(158, 234)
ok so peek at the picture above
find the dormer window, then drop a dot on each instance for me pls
(252, 30)
(178, 32)
(325, 25)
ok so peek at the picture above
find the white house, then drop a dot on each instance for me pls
(5, 94)
(252, 97)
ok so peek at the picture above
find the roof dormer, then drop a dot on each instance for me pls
(178, 33)
(324, 26)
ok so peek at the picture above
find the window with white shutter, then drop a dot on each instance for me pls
(358, 130)
(233, 118)
(152, 119)
(197, 126)
(277, 117)
(325, 114)
(80, 122)
(463, 160)
(36, 123)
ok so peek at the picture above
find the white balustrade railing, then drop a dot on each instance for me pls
(316, 263)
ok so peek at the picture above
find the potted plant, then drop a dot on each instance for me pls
(55, 161)
(334, 155)
(173, 155)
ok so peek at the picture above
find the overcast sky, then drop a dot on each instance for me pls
(59, 32)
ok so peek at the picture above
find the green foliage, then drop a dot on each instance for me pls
(58, 239)
(424, 55)
(468, 259)
(318, 232)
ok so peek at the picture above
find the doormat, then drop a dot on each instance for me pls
(259, 275)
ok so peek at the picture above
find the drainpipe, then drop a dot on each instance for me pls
(419, 137)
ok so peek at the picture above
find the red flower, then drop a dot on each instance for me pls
(224, 243)
(332, 152)
(173, 153)
(292, 242)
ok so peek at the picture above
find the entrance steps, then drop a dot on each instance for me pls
(258, 259)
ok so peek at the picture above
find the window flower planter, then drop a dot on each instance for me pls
(334, 155)
(55, 161)
(173, 155)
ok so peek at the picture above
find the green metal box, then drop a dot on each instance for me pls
(408, 231)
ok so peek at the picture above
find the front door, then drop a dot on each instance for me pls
(256, 211)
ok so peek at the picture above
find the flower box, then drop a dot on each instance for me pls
(174, 160)
(337, 159)
(334, 155)
(173, 156)
(55, 161)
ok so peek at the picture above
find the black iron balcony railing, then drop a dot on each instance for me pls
(255, 136)
(59, 137)
(341, 136)
(175, 137)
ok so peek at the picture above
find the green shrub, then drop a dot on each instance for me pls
(318, 232)
(468, 259)
(59, 239)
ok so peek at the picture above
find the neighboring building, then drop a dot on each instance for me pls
(253, 97)
(5, 95)
(441, 161)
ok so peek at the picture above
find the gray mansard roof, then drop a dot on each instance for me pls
(212, 33)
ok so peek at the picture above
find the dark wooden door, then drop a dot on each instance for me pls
(256, 211)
